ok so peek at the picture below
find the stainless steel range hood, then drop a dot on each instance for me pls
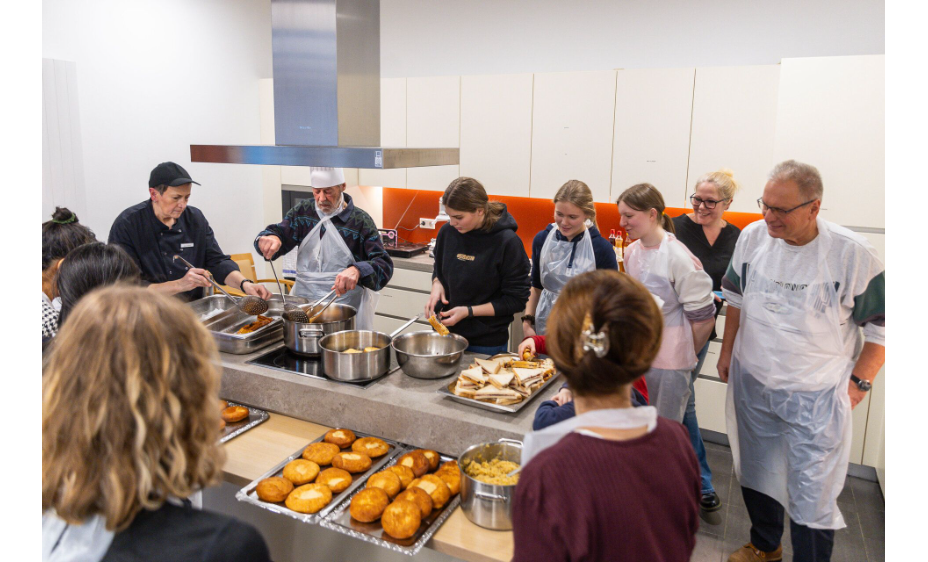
(326, 93)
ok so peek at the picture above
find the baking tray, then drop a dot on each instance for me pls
(255, 417)
(248, 494)
(447, 390)
(340, 520)
(223, 319)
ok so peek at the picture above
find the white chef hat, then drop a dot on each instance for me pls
(326, 177)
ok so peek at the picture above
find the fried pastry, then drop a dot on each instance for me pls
(438, 326)
(261, 322)
(321, 453)
(371, 446)
(341, 437)
(274, 489)
(352, 462)
(432, 457)
(404, 472)
(309, 498)
(401, 519)
(419, 497)
(233, 414)
(370, 348)
(416, 461)
(387, 481)
(368, 504)
(451, 476)
(436, 489)
(336, 479)
(223, 405)
(301, 471)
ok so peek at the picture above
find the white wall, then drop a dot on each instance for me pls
(429, 38)
(155, 77)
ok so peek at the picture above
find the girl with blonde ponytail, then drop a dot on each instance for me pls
(667, 268)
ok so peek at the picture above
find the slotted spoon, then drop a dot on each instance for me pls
(292, 312)
(249, 304)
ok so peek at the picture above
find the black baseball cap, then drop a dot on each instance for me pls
(169, 174)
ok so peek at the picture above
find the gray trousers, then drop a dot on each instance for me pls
(668, 391)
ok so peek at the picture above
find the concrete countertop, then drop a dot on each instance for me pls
(397, 406)
(422, 262)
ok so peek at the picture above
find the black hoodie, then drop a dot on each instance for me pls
(483, 266)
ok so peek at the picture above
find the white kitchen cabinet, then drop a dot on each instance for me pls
(572, 125)
(392, 133)
(830, 113)
(496, 132)
(734, 126)
(433, 120)
(652, 131)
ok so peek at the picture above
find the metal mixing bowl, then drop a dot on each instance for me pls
(428, 355)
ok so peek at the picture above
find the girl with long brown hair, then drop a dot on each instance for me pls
(480, 278)
(670, 271)
(130, 428)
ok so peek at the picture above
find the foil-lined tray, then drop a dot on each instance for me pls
(448, 391)
(339, 520)
(232, 430)
(248, 494)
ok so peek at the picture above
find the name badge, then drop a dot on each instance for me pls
(465, 257)
(186, 245)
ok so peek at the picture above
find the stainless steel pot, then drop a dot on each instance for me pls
(357, 367)
(303, 338)
(488, 505)
(429, 355)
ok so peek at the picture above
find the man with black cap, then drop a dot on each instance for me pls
(156, 230)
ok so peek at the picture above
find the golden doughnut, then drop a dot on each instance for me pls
(436, 489)
(321, 453)
(336, 479)
(420, 497)
(233, 414)
(401, 519)
(371, 446)
(404, 472)
(416, 461)
(352, 462)
(341, 437)
(274, 489)
(368, 504)
(301, 471)
(309, 498)
(387, 481)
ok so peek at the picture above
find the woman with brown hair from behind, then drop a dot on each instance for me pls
(627, 485)
(130, 428)
(59, 236)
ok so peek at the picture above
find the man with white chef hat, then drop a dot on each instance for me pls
(339, 247)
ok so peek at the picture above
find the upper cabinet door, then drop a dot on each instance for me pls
(572, 124)
(496, 132)
(652, 131)
(831, 114)
(734, 126)
(433, 120)
(392, 132)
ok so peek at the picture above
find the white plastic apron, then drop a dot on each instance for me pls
(787, 407)
(654, 274)
(555, 255)
(614, 418)
(319, 261)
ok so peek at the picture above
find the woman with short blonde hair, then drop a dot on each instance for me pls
(130, 420)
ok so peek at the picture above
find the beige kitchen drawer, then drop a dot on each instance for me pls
(411, 279)
(387, 324)
(401, 303)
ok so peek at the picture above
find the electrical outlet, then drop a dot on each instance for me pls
(427, 223)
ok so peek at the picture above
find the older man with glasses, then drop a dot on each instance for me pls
(804, 339)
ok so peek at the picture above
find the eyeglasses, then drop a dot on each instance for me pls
(779, 212)
(709, 203)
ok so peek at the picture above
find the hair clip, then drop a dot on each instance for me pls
(597, 342)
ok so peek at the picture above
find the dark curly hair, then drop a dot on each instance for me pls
(61, 235)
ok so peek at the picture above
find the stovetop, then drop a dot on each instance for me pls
(282, 359)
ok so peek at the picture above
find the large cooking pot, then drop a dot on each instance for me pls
(303, 338)
(429, 355)
(357, 367)
(488, 505)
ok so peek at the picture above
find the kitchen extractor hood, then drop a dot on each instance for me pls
(326, 56)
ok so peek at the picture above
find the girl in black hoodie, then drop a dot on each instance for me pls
(481, 276)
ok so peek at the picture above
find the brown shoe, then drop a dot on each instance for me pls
(750, 553)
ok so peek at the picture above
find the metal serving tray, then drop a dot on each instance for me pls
(248, 494)
(223, 319)
(255, 417)
(448, 391)
(340, 520)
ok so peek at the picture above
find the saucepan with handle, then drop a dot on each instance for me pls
(340, 364)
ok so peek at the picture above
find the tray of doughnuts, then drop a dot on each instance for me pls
(236, 419)
(404, 504)
(312, 481)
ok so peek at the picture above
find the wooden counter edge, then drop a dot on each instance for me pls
(259, 449)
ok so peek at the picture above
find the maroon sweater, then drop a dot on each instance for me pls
(587, 498)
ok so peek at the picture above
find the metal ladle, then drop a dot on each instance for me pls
(249, 304)
(292, 312)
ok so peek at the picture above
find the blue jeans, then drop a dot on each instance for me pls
(488, 349)
(692, 425)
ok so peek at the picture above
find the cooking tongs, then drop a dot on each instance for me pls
(292, 312)
(249, 304)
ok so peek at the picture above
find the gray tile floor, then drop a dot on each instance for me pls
(724, 531)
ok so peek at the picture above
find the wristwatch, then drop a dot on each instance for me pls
(529, 317)
(242, 284)
(862, 384)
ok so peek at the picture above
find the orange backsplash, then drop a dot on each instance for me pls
(532, 215)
